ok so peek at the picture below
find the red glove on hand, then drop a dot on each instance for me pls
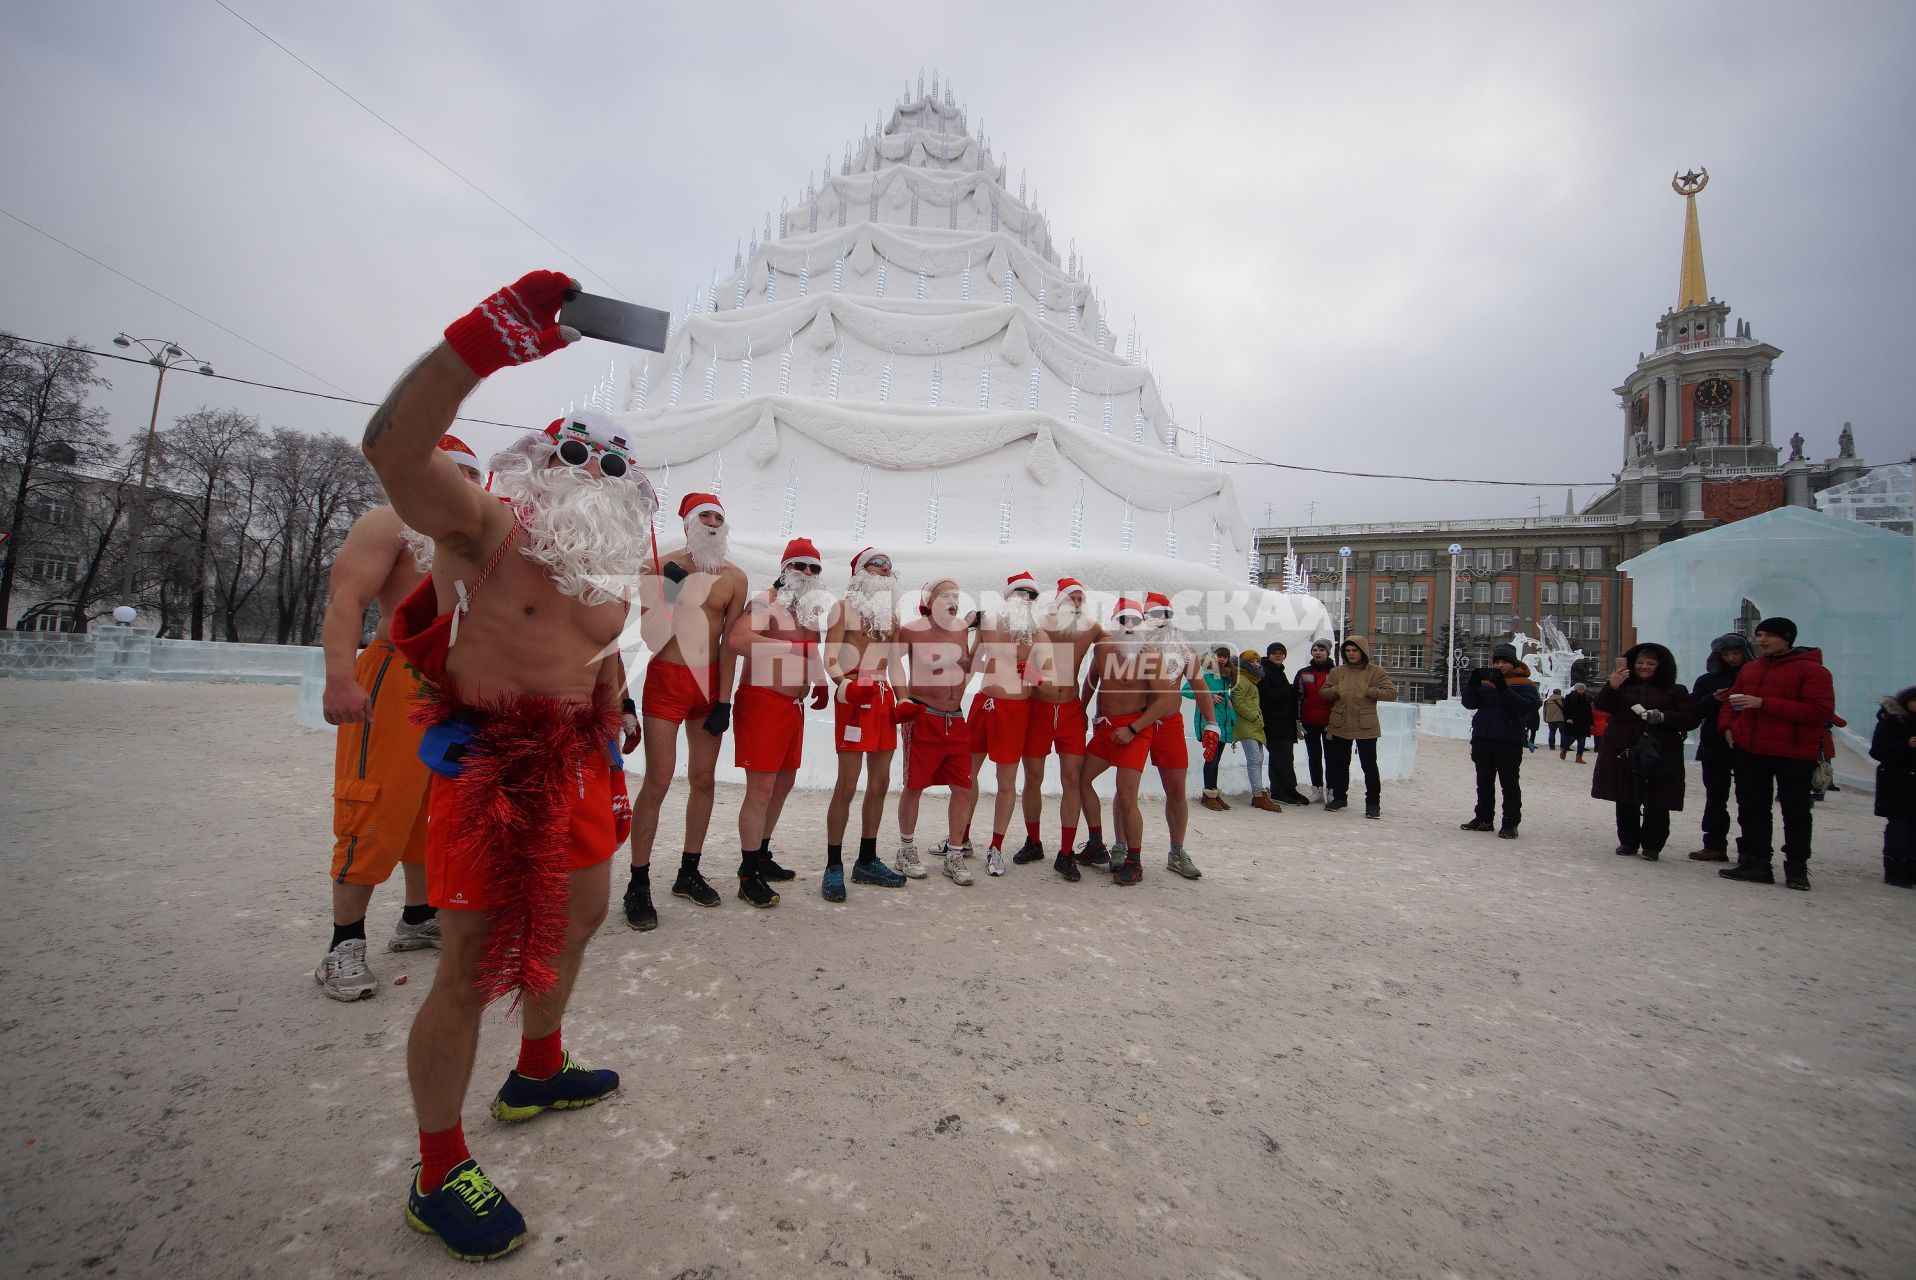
(516, 325)
(621, 811)
(1212, 743)
(907, 711)
(860, 693)
(1030, 674)
(821, 696)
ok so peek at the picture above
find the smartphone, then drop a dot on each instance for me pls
(610, 320)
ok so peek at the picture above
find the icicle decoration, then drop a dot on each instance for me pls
(1071, 414)
(1071, 310)
(663, 488)
(984, 383)
(1171, 534)
(838, 272)
(1072, 269)
(1008, 296)
(921, 83)
(738, 254)
(937, 381)
(745, 370)
(1036, 365)
(914, 208)
(1170, 432)
(1077, 518)
(791, 502)
(1108, 409)
(845, 165)
(643, 387)
(784, 217)
(678, 382)
(1104, 329)
(994, 213)
(931, 512)
(923, 271)
(711, 374)
(712, 299)
(805, 274)
(738, 295)
(751, 249)
(1130, 525)
(718, 475)
(1021, 186)
(771, 281)
(1042, 283)
(841, 206)
(1203, 444)
(884, 380)
(785, 366)
(838, 365)
(882, 264)
(872, 215)
(1137, 423)
(862, 509)
(1256, 577)
(1217, 544)
(1004, 512)
(964, 281)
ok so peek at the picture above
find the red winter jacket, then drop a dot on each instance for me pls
(1799, 701)
(1313, 710)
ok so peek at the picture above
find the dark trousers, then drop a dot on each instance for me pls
(1899, 850)
(1645, 826)
(1314, 752)
(1281, 735)
(1759, 780)
(1210, 772)
(1717, 777)
(1572, 740)
(1554, 727)
(1497, 763)
(1337, 762)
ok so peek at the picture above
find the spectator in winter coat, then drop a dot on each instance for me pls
(1506, 705)
(1578, 715)
(1552, 713)
(1893, 746)
(1643, 699)
(1250, 727)
(1775, 718)
(1314, 712)
(1277, 698)
(1728, 653)
(1354, 689)
(1219, 676)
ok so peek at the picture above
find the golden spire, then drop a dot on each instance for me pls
(1691, 290)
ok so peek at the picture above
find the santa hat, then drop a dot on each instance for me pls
(859, 560)
(800, 549)
(1067, 585)
(1022, 581)
(1157, 600)
(692, 505)
(1127, 606)
(459, 451)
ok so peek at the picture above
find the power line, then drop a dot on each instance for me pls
(1252, 460)
(421, 148)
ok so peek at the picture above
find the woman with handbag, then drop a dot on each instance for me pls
(1640, 755)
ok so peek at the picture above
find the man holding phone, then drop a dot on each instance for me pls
(1775, 717)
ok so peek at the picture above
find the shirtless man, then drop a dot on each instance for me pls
(777, 636)
(1001, 709)
(689, 683)
(1057, 719)
(861, 652)
(525, 597)
(379, 784)
(1170, 744)
(1127, 680)
(937, 744)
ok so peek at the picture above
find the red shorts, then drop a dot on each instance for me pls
(869, 728)
(1132, 755)
(937, 752)
(677, 693)
(768, 731)
(1170, 749)
(591, 837)
(998, 727)
(1055, 726)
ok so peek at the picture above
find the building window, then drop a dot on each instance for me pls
(1480, 624)
(1403, 561)
(49, 510)
(1401, 593)
(1547, 558)
(1593, 557)
(1273, 564)
(1423, 560)
(1593, 593)
(1420, 592)
(48, 567)
(1414, 657)
(1383, 593)
(1506, 557)
(1572, 558)
(1423, 626)
(1483, 559)
(1549, 590)
(1570, 593)
(1483, 593)
(1593, 628)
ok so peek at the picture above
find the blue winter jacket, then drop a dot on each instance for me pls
(1503, 714)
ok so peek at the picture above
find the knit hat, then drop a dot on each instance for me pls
(858, 561)
(1022, 581)
(1157, 600)
(802, 550)
(1067, 585)
(1127, 606)
(1782, 628)
(459, 451)
(693, 504)
(1504, 653)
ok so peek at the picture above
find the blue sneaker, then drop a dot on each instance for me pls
(872, 871)
(567, 1089)
(832, 887)
(472, 1218)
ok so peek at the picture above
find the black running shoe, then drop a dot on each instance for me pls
(1798, 877)
(1477, 824)
(1094, 854)
(1029, 851)
(1751, 874)
(1067, 866)
(1507, 833)
(1127, 872)
(691, 884)
(1334, 804)
(639, 911)
(872, 871)
(472, 1218)
(756, 892)
(567, 1089)
(769, 870)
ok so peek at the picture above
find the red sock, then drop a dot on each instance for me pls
(1031, 833)
(540, 1059)
(1069, 840)
(438, 1153)
(998, 840)
(1134, 853)
(1097, 834)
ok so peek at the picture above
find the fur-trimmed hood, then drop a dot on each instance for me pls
(1666, 675)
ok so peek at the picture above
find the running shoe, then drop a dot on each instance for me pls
(755, 891)
(832, 887)
(415, 937)
(691, 884)
(343, 974)
(471, 1217)
(1127, 872)
(770, 870)
(1180, 862)
(1092, 853)
(1029, 851)
(874, 872)
(639, 911)
(909, 864)
(567, 1089)
(994, 862)
(1067, 866)
(955, 869)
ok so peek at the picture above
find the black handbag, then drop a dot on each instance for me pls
(1650, 761)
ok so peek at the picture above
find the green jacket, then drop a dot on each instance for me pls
(1250, 712)
(1226, 713)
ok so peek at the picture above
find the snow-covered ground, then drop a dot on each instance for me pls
(1352, 1049)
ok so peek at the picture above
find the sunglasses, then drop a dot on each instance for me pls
(811, 568)
(878, 562)
(575, 452)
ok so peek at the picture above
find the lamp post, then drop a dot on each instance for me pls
(1450, 659)
(162, 356)
(1343, 598)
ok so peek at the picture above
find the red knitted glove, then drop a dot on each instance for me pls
(621, 810)
(861, 693)
(821, 696)
(907, 711)
(1213, 743)
(518, 324)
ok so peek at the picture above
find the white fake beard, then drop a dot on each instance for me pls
(1067, 617)
(873, 601)
(803, 601)
(418, 545)
(707, 546)
(590, 533)
(1021, 619)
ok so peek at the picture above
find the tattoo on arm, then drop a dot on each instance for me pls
(383, 416)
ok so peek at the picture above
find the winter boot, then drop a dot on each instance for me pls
(1750, 873)
(1214, 800)
(1477, 824)
(1262, 800)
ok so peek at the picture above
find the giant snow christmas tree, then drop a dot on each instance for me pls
(900, 358)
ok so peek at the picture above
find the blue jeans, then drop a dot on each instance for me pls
(1254, 763)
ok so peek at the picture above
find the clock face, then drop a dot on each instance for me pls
(1713, 394)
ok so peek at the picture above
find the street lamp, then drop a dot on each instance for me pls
(1343, 598)
(1450, 659)
(162, 356)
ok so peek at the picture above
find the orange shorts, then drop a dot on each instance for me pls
(1132, 755)
(1055, 726)
(1170, 749)
(869, 728)
(768, 730)
(675, 692)
(937, 752)
(591, 837)
(379, 782)
(998, 727)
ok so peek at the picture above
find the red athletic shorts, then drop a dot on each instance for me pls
(868, 728)
(677, 693)
(1170, 744)
(1132, 755)
(1055, 726)
(998, 727)
(937, 752)
(591, 836)
(768, 730)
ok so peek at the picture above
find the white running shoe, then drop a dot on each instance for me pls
(967, 850)
(343, 974)
(994, 862)
(955, 869)
(909, 863)
(415, 937)
(1317, 795)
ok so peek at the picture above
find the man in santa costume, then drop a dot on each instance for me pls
(1057, 722)
(1126, 678)
(937, 649)
(861, 655)
(777, 637)
(1176, 669)
(688, 683)
(1001, 709)
(379, 783)
(517, 630)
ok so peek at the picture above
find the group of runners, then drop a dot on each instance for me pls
(483, 731)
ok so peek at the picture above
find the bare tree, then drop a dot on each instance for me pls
(203, 462)
(322, 485)
(47, 430)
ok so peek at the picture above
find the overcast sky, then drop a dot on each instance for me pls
(1419, 238)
